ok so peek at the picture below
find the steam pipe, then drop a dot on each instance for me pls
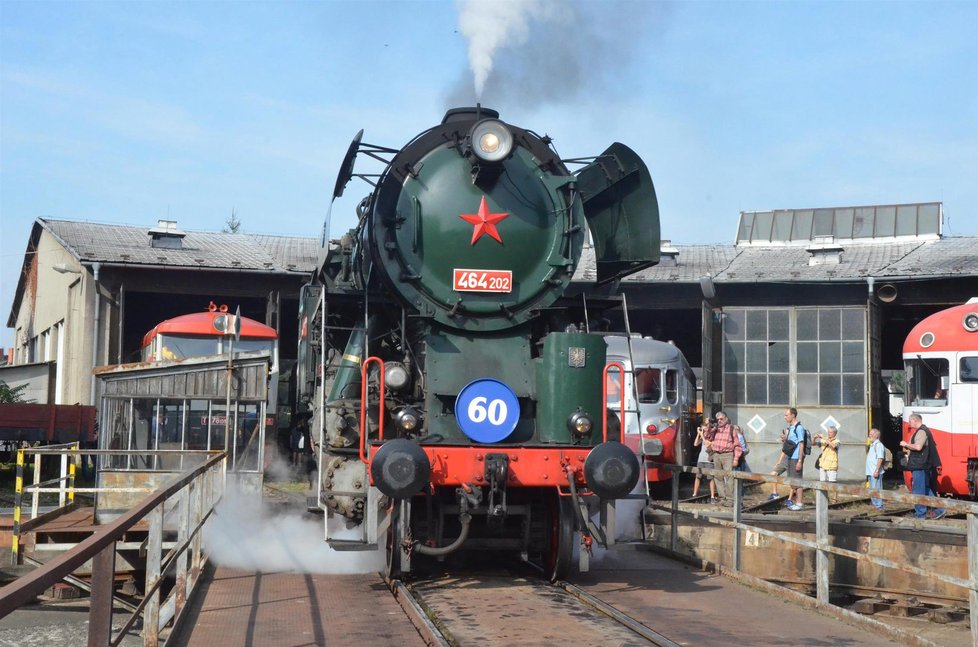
(432, 551)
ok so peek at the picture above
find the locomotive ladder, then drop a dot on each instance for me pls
(376, 521)
(643, 472)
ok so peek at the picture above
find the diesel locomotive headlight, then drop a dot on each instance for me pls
(395, 376)
(491, 140)
(407, 419)
(580, 423)
(653, 447)
(970, 322)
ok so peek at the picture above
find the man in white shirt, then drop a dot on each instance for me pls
(875, 455)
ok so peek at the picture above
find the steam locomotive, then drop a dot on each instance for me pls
(455, 383)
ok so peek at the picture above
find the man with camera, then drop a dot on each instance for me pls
(723, 441)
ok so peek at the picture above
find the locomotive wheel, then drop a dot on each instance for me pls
(560, 539)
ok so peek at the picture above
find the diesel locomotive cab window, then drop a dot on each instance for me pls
(968, 369)
(649, 383)
(672, 386)
(927, 381)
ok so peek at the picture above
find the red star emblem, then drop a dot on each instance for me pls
(485, 222)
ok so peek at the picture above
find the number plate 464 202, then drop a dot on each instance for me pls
(482, 280)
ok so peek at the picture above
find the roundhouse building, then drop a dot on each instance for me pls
(807, 307)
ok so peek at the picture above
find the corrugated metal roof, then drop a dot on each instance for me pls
(128, 244)
(887, 260)
(725, 263)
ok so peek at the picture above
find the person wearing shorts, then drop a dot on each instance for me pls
(828, 460)
(704, 460)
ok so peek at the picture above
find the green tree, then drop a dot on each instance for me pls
(10, 394)
(232, 224)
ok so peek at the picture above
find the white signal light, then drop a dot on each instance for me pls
(970, 322)
(491, 140)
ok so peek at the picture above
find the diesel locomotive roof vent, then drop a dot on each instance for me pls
(166, 235)
(824, 251)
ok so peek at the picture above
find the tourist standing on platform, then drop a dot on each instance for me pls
(703, 460)
(796, 459)
(828, 461)
(723, 442)
(741, 463)
(875, 456)
(922, 460)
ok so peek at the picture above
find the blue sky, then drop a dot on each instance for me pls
(131, 112)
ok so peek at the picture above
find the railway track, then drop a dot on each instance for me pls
(504, 608)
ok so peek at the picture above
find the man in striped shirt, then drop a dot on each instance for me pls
(722, 439)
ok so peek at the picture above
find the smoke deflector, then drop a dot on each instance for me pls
(622, 212)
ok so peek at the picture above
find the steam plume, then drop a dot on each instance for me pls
(489, 25)
(243, 533)
(530, 53)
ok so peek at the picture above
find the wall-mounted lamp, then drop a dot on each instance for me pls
(707, 287)
(61, 268)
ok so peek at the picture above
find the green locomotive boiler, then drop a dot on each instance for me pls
(453, 382)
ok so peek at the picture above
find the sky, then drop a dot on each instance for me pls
(133, 112)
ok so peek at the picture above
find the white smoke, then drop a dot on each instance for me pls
(493, 24)
(278, 469)
(244, 533)
(531, 53)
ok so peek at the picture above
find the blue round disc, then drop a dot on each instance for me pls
(487, 410)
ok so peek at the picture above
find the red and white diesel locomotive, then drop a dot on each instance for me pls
(940, 356)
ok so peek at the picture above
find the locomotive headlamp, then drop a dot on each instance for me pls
(970, 322)
(407, 419)
(653, 447)
(395, 375)
(491, 140)
(580, 423)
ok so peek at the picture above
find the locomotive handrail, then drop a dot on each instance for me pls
(604, 399)
(363, 405)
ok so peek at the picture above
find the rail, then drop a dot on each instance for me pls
(822, 546)
(190, 498)
(65, 489)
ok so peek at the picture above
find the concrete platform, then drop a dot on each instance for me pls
(694, 607)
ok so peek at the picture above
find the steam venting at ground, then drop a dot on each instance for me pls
(246, 534)
(533, 52)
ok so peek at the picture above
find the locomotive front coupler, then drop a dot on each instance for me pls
(496, 475)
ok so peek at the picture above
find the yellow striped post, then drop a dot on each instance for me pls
(18, 500)
(71, 473)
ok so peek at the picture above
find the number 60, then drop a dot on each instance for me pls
(496, 410)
